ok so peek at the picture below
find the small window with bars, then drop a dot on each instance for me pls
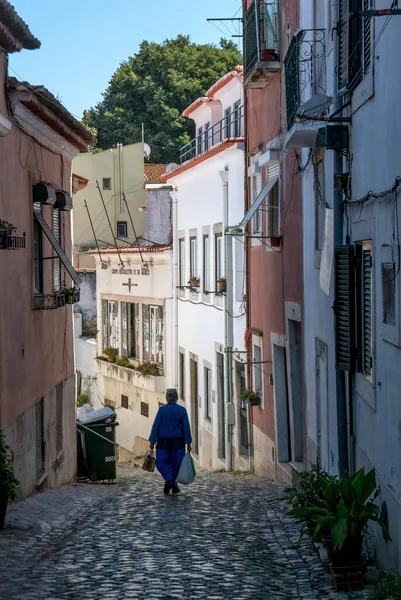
(124, 401)
(144, 409)
(388, 288)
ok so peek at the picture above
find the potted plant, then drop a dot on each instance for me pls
(70, 293)
(147, 368)
(8, 482)
(123, 361)
(6, 229)
(221, 285)
(111, 354)
(275, 241)
(193, 281)
(251, 397)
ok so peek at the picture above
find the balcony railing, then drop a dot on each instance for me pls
(231, 126)
(48, 301)
(11, 242)
(260, 36)
(305, 69)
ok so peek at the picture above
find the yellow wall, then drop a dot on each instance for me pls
(96, 167)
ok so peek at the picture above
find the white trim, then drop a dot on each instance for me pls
(268, 157)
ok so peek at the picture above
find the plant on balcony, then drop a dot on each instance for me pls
(193, 281)
(8, 482)
(122, 361)
(251, 397)
(71, 293)
(6, 227)
(347, 509)
(221, 284)
(147, 368)
(111, 354)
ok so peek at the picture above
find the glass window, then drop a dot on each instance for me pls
(218, 256)
(124, 401)
(130, 329)
(106, 183)
(145, 332)
(256, 189)
(181, 260)
(228, 118)
(257, 368)
(122, 229)
(273, 227)
(110, 324)
(144, 409)
(237, 119)
(153, 333)
(206, 136)
(208, 393)
(192, 257)
(38, 257)
(205, 269)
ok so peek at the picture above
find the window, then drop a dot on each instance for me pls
(256, 189)
(228, 118)
(320, 201)
(199, 140)
(56, 259)
(206, 136)
(59, 418)
(106, 183)
(40, 438)
(38, 257)
(354, 46)
(130, 329)
(218, 257)
(122, 229)
(192, 257)
(389, 294)
(237, 119)
(153, 334)
(205, 269)
(273, 222)
(182, 375)
(364, 309)
(110, 324)
(257, 368)
(124, 401)
(208, 393)
(181, 261)
(145, 409)
(243, 429)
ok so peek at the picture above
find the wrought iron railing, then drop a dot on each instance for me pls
(48, 301)
(305, 69)
(260, 33)
(11, 242)
(231, 126)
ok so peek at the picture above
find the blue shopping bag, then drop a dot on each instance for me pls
(186, 474)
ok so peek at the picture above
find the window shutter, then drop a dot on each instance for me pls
(367, 38)
(343, 44)
(366, 311)
(344, 308)
(56, 260)
(105, 315)
(389, 294)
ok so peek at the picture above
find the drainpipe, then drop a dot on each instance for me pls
(173, 196)
(228, 324)
(341, 401)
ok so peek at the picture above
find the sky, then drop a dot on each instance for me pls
(84, 41)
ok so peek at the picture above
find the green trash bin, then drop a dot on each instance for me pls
(97, 451)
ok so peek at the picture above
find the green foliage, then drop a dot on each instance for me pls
(154, 87)
(7, 227)
(89, 328)
(388, 587)
(250, 396)
(111, 353)
(7, 478)
(84, 398)
(123, 361)
(346, 510)
(148, 368)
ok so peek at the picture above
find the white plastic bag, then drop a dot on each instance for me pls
(186, 473)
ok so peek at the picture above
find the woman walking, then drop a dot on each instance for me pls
(171, 432)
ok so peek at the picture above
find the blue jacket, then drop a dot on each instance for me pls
(171, 422)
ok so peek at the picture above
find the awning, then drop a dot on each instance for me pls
(53, 240)
(259, 199)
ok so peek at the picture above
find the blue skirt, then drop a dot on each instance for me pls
(169, 455)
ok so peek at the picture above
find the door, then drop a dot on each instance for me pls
(295, 385)
(194, 405)
(221, 451)
(281, 404)
(243, 407)
(40, 439)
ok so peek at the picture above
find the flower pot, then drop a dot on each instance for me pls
(3, 505)
(194, 283)
(221, 286)
(350, 555)
(68, 299)
(254, 402)
(275, 241)
(111, 360)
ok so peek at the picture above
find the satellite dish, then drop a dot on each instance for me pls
(146, 150)
(171, 167)
(314, 106)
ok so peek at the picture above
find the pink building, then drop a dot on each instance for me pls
(38, 139)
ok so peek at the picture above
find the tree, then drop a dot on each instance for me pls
(153, 88)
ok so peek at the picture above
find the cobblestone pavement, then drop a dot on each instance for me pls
(224, 537)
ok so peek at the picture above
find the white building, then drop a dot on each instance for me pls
(134, 308)
(354, 415)
(209, 197)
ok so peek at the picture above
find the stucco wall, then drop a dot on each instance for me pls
(87, 301)
(158, 217)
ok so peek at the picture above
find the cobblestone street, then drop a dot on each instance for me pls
(225, 537)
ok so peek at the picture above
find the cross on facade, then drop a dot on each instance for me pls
(130, 284)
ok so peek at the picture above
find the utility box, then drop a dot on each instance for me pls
(230, 414)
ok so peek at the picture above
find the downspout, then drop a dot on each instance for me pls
(228, 323)
(341, 401)
(173, 196)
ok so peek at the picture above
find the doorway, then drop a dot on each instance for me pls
(193, 366)
(281, 404)
(295, 387)
(221, 450)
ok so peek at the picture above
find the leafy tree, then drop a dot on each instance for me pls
(153, 88)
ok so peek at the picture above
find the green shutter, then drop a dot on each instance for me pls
(344, 308)
(367, 49)
(366, 310)
(343, 44)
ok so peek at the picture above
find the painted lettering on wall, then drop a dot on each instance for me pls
(122, 271)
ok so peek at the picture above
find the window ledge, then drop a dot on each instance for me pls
(151, 383)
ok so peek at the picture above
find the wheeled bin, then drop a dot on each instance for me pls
(96, 440)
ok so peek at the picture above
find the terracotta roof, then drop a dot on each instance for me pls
(192, 162)
(134, 249)
(235, 72)
(14, 32)
(44, 105)
(153, 173)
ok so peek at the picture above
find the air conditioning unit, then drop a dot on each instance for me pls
(63, 202)
(44, 194)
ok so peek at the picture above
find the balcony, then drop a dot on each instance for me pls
(230, 127)
(48, 301)
(11, 242)
(261, 48)
(131, 376)
(305, 78)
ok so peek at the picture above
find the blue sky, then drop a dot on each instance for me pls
(84, 41)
